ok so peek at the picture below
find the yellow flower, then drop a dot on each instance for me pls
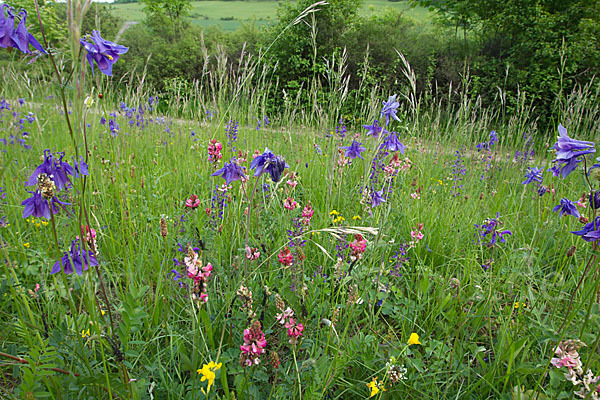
(334, 212)
(26, 245)
(85, 333)
(375, 387)
(102, 312)
(208, 374)
(413, 339)
(356, 217)
(338, 219)
(517, 304)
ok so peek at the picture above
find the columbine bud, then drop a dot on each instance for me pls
(571, 251)
(595, 200)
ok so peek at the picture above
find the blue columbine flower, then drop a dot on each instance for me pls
(392, 143)
(231, 171)
(569, 152)
(269, 162)
(75, 259)
(390, 107)
(533, 174)
(104, 52)
(377, 198)
(595, 200)
(18, 38)
(57, 169)
(566, 206)
(590, 232)
(354, 150)
(374, 130)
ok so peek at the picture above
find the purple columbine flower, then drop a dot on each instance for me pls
(104, 52)
(18, 38)
(38, 206)
(392, 143)
(566, 206)
(231, 171)
(377, 198)
(533, 174)
(354, 150)
(269, 162)
(75, 259)
(489, 229)
(374, 130)
(595, 200)
(390, 107)
(56, 169)
(569, 152)
(590, 232)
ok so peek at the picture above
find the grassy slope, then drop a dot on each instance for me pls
(207, 13)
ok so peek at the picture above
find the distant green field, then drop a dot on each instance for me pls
(229, 14)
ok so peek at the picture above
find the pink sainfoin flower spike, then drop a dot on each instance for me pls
(307, 214)
(193, 202)
(214, 151)
(286, 257)
(358, 246)
(254, 345)
(289, 203)
(252, 253)
(294, 330)
(285, 315)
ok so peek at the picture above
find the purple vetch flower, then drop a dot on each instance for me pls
(392, 143)
(103, 52)
(569, 152)
(489, 229)
(269, 162)
(566, 206)
(590, 232)
(390, 107)
(231, 171)
(533, 174)
(493, 139)
(76, 259)
(374, 130)
(18, 38)
(354, 150)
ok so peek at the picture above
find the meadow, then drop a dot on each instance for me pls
(192, 245)
(228, 15)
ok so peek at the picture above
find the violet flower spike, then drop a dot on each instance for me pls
(566, 206)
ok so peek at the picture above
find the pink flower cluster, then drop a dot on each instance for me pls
(214, 151)
(254, 345)
(90, 238)
(568, 357)
(199, 274)
(416, 233)
(294, 330)
(289, 203)
(193, 202)
(286, 257)
(252, 253)
(307, 214)
(358, 246)
(397, 165)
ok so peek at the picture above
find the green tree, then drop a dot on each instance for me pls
(165, 14)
